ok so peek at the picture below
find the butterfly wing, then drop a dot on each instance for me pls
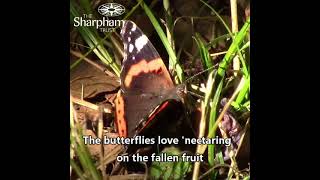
(143, 69)
(145, 81)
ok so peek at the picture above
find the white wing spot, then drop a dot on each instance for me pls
(129, 39)
(141, 42)
(131, 47)
(133, 57)
(134, 27)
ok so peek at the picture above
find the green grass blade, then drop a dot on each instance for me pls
(92, 38)
(107, 35)
(212, 120)
(233, 48)
(219, 17)
(172, 55)
(242, 94)
(86, 5)
(169, 23)
(77, 170)
(230, 33)
(244, 64)
(216, 40)
(84, 156)
(204, 53)
(87, 53)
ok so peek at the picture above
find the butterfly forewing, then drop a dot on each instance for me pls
(145, 81)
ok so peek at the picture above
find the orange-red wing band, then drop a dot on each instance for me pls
(155, 66)
(120, 116)
(159, 109)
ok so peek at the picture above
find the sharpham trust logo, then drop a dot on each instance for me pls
(111, 9)
(105, 24)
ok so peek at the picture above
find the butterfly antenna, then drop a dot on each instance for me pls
(195, 94)
(201, 73)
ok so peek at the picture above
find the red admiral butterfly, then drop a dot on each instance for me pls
(146, 86)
